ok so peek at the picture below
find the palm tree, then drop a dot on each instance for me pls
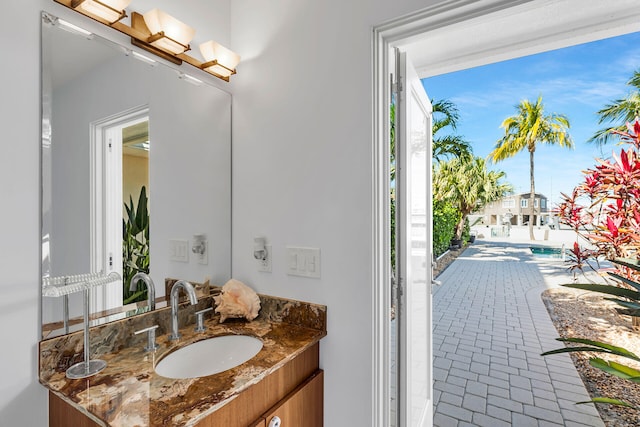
(446, 115)
(468, 185)
(619, 111)
(525, 130)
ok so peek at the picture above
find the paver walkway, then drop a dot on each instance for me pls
(490, 326)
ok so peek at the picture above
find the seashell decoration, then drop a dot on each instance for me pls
(237, 300)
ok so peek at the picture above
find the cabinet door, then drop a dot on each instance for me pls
(303, 407)
(260, 423)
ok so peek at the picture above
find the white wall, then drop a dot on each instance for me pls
(302, 169)
(22, 399)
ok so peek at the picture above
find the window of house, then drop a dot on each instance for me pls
(535, 203)
(543, 203)
(509, 203)
(524, 203)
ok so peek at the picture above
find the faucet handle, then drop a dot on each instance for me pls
(151, 337)
(200, 319)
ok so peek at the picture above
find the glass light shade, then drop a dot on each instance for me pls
(109, 10)
(177, 34)
(212, 51)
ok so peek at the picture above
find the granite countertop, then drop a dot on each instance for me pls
(128, 392)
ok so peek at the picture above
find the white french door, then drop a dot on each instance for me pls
(413, 247)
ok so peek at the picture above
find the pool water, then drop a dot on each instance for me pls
(543, 252)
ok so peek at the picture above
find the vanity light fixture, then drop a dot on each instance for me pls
(167, 33)
(159, 33)
(219, 60)
(109, 10)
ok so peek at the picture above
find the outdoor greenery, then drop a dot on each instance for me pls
(528, 128)
(447, 145)
(467, 185)
(622, 110)
(605, 210)
(445, 218)
(135, 246)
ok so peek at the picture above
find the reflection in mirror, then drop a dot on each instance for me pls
(112, 126)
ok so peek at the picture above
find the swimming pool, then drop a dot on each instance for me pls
(546, 252)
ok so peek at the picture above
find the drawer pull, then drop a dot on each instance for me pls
(275, 422)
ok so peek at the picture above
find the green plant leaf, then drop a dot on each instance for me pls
(575, 350)
(141, 214)
(606, 289)
(632, 306)
(629, 282)
(613, 368)
(608, 401)
(620, 351)
(133, 297)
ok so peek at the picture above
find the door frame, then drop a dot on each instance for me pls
(393, 33)
(105, 189)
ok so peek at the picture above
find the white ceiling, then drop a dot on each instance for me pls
(525, 29)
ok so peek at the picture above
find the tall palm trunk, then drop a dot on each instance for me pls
(532, 196)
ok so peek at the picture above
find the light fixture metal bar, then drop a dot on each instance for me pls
(215, 62)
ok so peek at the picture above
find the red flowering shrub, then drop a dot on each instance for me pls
(605, 208)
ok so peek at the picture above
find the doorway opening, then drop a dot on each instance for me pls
(455, 36)
(119, 177)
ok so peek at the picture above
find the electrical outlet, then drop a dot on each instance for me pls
(203, 258)
(264, 265)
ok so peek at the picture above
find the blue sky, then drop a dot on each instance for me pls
(576, 81)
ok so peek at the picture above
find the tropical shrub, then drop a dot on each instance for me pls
(445, 218)
(466, 231)
(605, 211)
(468, 185)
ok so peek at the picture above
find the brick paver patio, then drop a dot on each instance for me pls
(490, 326)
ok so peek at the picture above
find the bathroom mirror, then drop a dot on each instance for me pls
(100, 104)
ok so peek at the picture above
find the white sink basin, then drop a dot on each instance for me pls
(209, 357)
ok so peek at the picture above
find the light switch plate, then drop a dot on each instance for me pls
(303, 262)
(179, 250)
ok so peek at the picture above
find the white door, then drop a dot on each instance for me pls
(413, 248)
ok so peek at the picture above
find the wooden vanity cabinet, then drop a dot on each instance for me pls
(303, 407)
(289, 383)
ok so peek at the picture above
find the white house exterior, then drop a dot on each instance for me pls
(515, 209)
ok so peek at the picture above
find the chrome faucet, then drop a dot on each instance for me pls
(175, 290)
(151, 288)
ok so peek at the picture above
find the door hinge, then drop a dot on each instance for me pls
(110, 145)
(396, 86)
(110, 261)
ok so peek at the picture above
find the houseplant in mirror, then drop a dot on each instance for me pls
(135, 246)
